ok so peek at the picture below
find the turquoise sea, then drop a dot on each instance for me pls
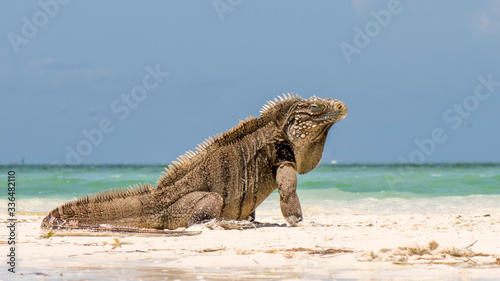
(40, 188)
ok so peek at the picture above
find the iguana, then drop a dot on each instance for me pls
(227, 176)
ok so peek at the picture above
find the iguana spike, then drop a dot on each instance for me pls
(130, 188)
(137, 189)
(264, 108)
(120, 192)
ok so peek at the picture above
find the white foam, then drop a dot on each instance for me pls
(436, 205)
(34, 205)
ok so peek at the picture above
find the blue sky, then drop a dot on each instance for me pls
(144, 81)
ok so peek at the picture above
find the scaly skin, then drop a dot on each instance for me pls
(226, 178)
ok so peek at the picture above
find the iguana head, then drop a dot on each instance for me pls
(306, 127)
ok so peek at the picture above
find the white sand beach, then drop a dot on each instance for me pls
(349, 241)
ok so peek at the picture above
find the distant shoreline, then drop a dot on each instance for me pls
(323, 164)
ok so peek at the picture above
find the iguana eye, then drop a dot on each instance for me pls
(315, 108)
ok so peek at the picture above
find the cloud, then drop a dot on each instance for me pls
(487, 20)
(56, 73)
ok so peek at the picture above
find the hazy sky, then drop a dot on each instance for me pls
(144, 81)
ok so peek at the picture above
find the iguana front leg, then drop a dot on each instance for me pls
(286, 177)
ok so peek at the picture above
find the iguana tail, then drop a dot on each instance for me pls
(126, 207)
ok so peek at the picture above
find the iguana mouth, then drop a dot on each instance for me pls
(332, 116)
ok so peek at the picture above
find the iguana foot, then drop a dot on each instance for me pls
(251, 217)
(231, 224)
(293, 220)
(239, 224)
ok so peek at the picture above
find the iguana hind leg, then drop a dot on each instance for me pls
(193, 208)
